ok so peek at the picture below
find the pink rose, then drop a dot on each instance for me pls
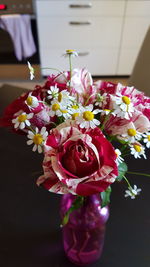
(82, 86)
(78, 161)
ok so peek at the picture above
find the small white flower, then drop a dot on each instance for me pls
(147, 139)
(32, 101)
(119, 159)
(132, 192)
(101, 100)
(86, 119)
(22, 120)
(132, 135)
(31, 71)
(70, 52)
(137, 150)
(37, 138)
(122, 105)
(56, 108)
(65, 98)
(75, 111)
(53, 92)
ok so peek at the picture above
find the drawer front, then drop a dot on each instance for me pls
(80, 8)
(134, 31)
(72, 32)
(98, 62)
(138, 8)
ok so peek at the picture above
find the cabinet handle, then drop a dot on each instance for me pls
(79, 22)
(82, 54)
(89, 5)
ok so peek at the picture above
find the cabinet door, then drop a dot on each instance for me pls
(97, 61)
(137, 22)
(80, 8)
(72, 32)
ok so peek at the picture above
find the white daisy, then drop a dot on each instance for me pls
(53, 92)
(65, 98)
(132, 135)
(32, 101)
(137, 150)
(31, 71)
(37, 138)
(132, 192)
(119, 159)
(22, 120)
(70, 52)
(56, 109)
(64, 113)
(147, 139)
(101, 100)
(86, 119)
(123, 107)
(75, 111)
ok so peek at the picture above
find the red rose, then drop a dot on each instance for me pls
(78, 161)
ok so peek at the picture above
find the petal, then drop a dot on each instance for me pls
(96, 122)
(16, 125)
(27, 123)
(22, 125)
(40, 149)
(34, 148)
(29, 142)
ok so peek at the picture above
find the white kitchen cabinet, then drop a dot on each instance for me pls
(106, 33)
(136, 24)
(93, 28)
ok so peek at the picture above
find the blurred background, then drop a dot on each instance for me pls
(112, 38)
(109, 36)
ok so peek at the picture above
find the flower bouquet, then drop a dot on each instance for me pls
(85, 129)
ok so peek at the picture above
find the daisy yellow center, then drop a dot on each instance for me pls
(69, 51)
(117, 155)
(75, 106)
(75, 115)
(148, 137)
(22, 117)
(63, 111)
(137, 148)
(131, 132)
(29, 101)
(107, 109)
(55, 107)
(126, 100)
(59, 97)
(88, 115)
(38, 139)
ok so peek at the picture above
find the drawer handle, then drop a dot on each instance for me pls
(89, 5)
(82, 54)
(79, 22)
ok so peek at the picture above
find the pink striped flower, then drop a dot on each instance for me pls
(78, 161)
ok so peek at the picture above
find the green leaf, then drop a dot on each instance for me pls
(105, 196)
(122, 169)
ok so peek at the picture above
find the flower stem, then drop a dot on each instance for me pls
(77, 203)
(139, 173)
(127, 182)
(70, 66)
(104, 122)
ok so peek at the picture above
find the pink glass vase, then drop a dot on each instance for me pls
(83, 235)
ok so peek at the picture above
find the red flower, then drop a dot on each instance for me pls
(78, 161)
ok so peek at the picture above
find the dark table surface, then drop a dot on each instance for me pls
(30, 234)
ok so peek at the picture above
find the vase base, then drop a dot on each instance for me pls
(83, 258)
